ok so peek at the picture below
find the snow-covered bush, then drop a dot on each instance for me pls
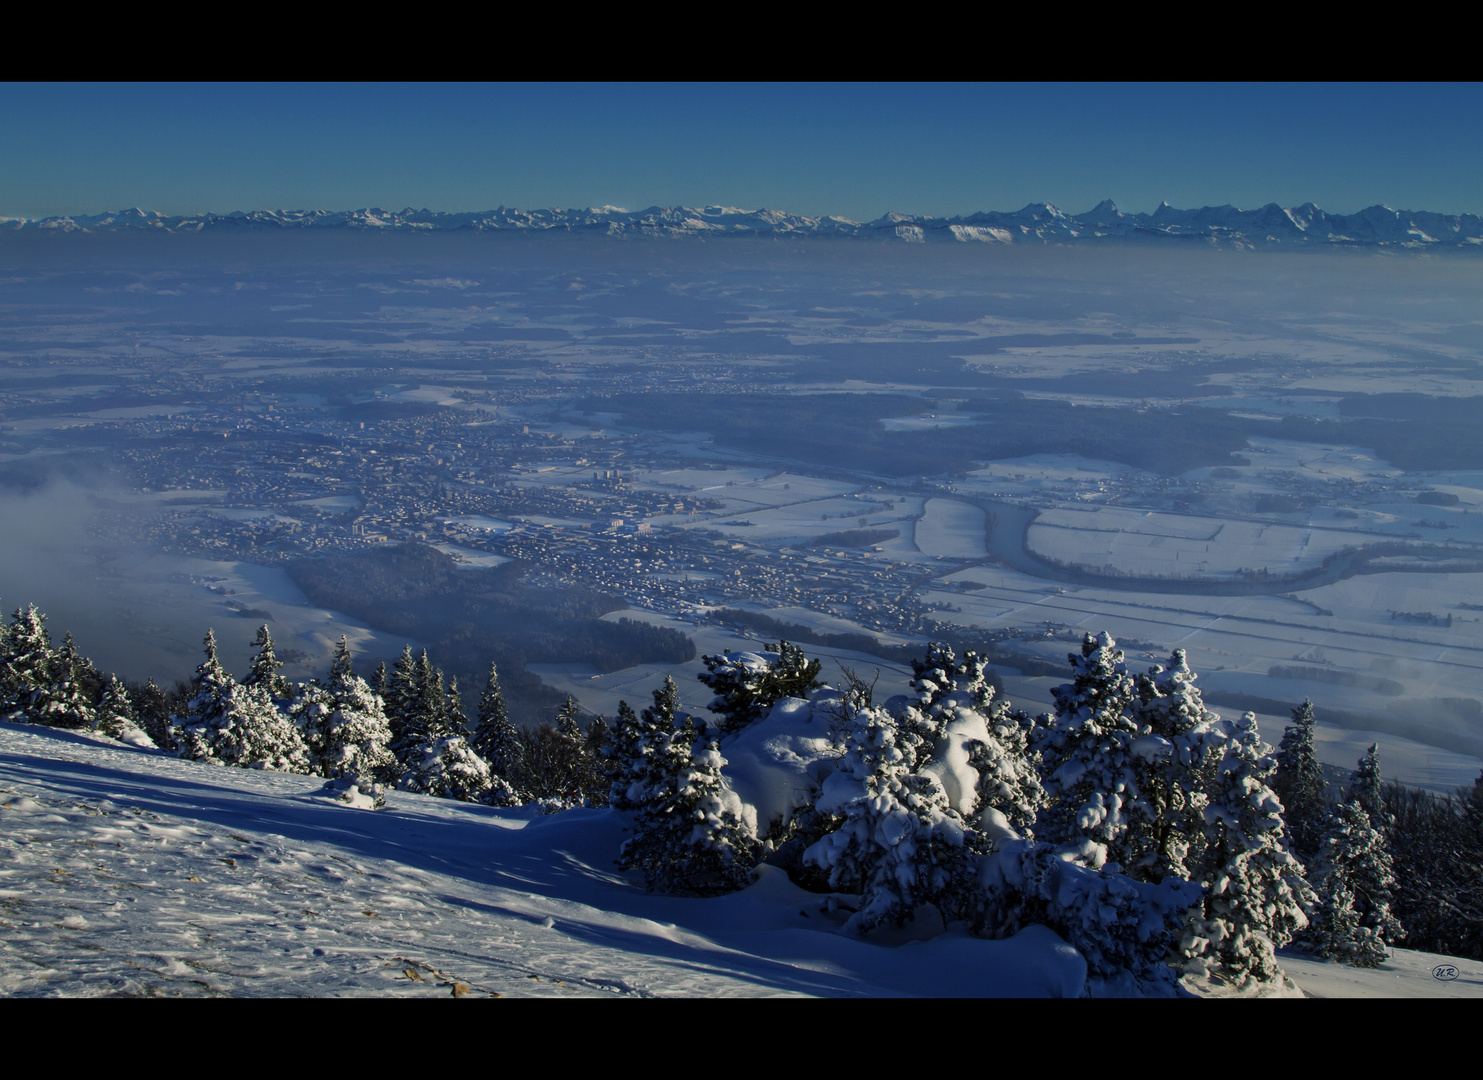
(747, 684)
(449, 769)
(898, 842)
(241, 725)
(1123, 928)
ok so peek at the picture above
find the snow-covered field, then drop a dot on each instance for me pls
(1149, 544)
(126, 872)
(467, 558)
(479, 522)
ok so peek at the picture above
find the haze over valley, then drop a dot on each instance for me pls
(504, 445)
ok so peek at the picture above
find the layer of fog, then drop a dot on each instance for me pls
(143, 614)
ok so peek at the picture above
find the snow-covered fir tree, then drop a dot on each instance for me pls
(345, 725)
(65, 697)
(955, 714)
(641, 743)
(941, 673)
(625, 746)
(1367, 788)
(581, 767)
(401, 704)
(1175, 753)
(443, 763)
(210, 688)
(266, 666)
(25, 664)
(115, 715)
(899, 843)
(423, 714)
(1299, 783)
(1255, 894)
(1088, 765)
(1355, 880)
(455, 720)
(498, 742)
(689, 836)
(1007, 767)
(232, 724)
(400, 685)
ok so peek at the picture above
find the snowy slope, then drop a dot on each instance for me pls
(124, 871)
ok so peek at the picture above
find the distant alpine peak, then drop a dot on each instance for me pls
(1037, 223)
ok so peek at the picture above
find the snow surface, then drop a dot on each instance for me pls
(127, 872)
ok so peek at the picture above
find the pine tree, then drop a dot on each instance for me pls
(400, 685)
(1007, 766)
(65, 698)
(556, 769)
(576, 766)
(210, 687)
(1300, 785)
(623, 750)
(152, 711)
(956, 716)
(1436, 844)
(596, 781)
(941, 673)
(1178, 744)
(454, 720)
(422, 715)
(400, 699)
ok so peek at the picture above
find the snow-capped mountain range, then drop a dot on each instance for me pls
(1038, 223)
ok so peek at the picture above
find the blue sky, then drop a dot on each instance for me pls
(852, 149)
